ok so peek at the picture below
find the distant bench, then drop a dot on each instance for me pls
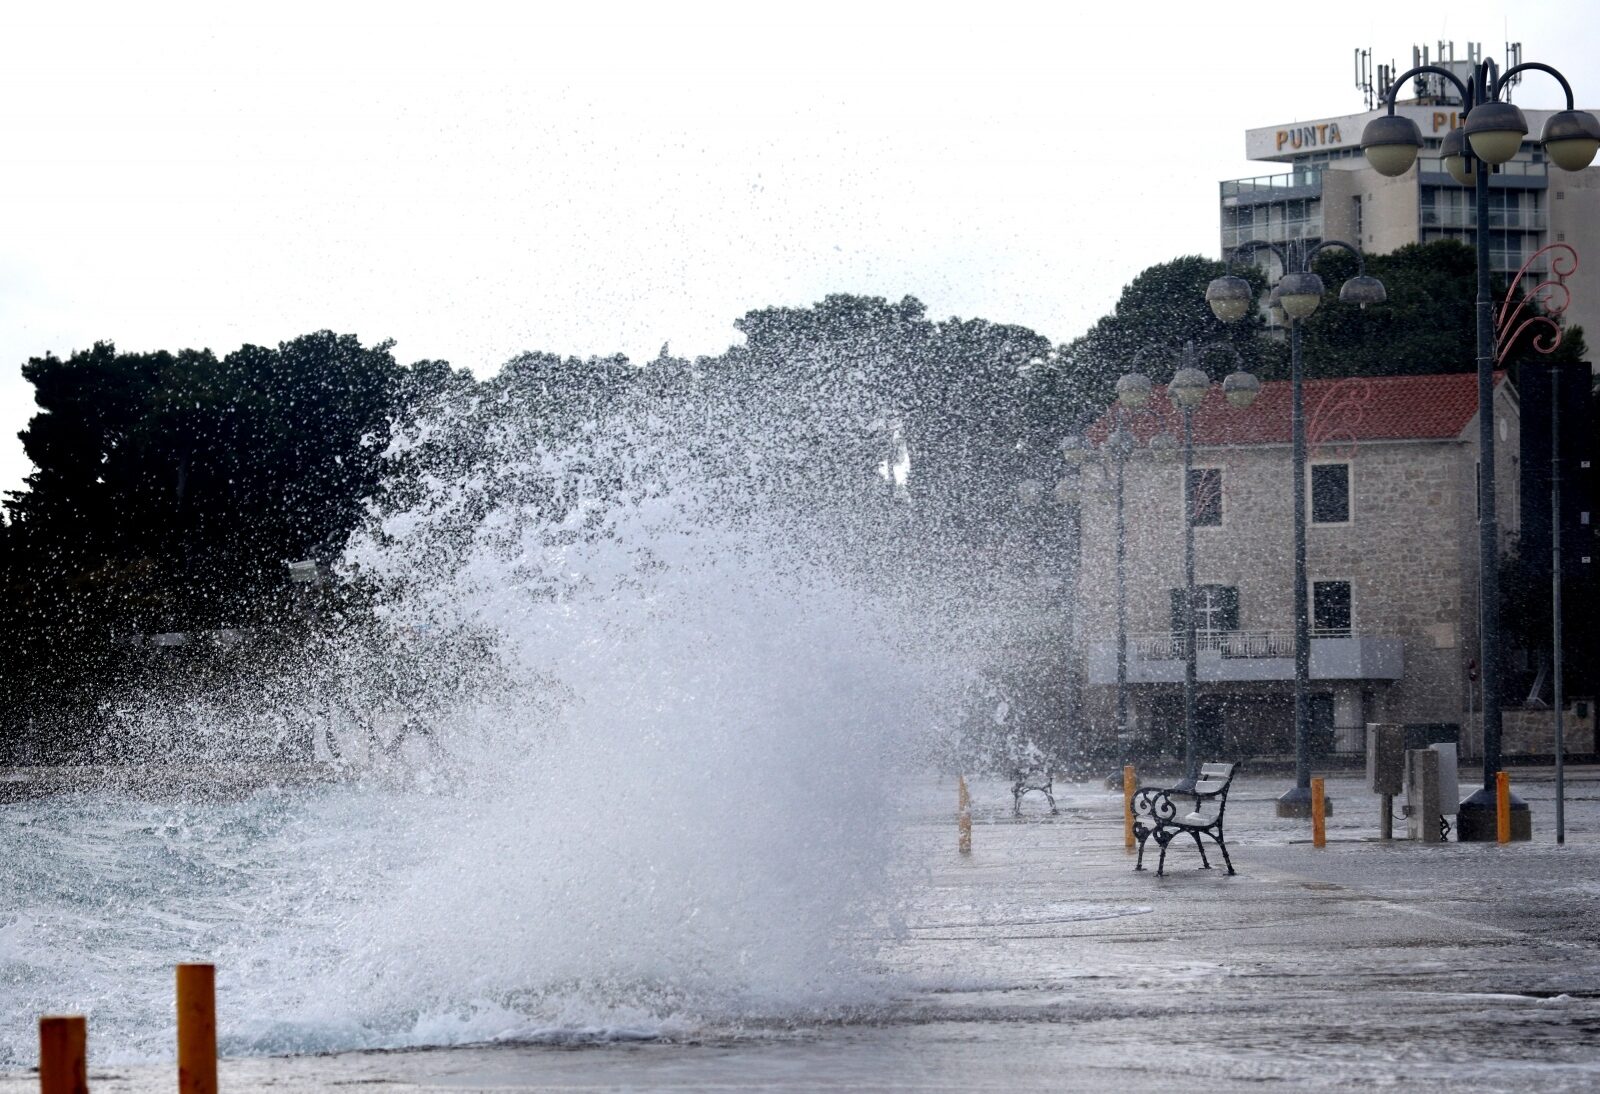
(1160, 813)
(1024, 782)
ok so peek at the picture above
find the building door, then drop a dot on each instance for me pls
(1210, 724)
(1321, 710)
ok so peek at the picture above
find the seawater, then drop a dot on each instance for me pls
(614, 746)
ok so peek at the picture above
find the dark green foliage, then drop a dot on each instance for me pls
(1428, 324)
(171, 490)
(1158, 312)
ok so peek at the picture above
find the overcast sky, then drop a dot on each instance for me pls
(475, 180)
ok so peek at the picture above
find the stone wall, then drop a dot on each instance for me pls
(1533, 732)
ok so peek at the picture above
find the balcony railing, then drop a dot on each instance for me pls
(1169, 647)
(1297, 184)
(1337, 653)
(1277, 231)
(1523, 220)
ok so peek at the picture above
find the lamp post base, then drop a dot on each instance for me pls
(1475, 822)
(1296, 802)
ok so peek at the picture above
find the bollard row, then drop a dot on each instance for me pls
(64, 1040)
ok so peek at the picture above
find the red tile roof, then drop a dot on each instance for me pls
(1342, 410)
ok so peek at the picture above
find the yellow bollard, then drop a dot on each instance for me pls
(197, 1029)
(1319, 819)
(63, 1052)
(1130, 783)
(964, 818)
(1502, 807)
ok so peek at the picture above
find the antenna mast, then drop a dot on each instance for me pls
(1364, 77)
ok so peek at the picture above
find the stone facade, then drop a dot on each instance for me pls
(1533, 732)
(1408, 552)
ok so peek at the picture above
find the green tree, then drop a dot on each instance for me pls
(1427, 325)
(1158, 312)
(170, 489)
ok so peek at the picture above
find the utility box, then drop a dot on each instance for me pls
(1449, 779)
(1422, 795)
(1386, 758)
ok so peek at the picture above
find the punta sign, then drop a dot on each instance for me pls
(1331, 134)
(1286, 142)
(1320, 135)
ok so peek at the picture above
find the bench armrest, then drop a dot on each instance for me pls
(1155, 804)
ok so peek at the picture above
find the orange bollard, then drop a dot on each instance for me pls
(1130, 783)
(963, 818)
(1319, 818)
(63, 1055)
(197, 1029)
(1502, 807)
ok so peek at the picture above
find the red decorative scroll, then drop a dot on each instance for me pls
(1331, 429)
(1551, 297)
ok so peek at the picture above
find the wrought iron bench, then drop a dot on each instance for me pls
(1024, 781)
(1167, 814)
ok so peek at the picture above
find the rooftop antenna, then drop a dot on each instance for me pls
(1513, 59)
(1364, 77)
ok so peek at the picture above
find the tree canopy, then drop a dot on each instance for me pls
(171, 489)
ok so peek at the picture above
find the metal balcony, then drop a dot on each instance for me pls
(1245, 656)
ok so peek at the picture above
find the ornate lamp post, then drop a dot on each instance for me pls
(1491, 134)
(1299, 293)
(1187, 390)
(1112, 459)
(1035, 495)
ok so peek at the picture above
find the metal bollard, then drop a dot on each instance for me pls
(963, 818)
(1319, 819)
(63, 1054)
(1130, 783)
(1502, 807)
(197, 1029)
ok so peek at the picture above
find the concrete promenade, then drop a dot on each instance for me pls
(1043, 962)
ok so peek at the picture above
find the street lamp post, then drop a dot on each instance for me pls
(1299, 293)
(1187, 390)
(1033, 494)
(1491, 133)
(1557, 698)
(1118, 447)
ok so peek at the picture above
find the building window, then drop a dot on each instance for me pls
(1330, 493)
(1216, 609)
(1205, 487)
(1330, 608)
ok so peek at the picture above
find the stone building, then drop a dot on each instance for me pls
(1392, 561)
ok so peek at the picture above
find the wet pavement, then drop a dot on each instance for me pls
(1043, 961)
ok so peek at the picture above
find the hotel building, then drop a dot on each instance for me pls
(1329, 192)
